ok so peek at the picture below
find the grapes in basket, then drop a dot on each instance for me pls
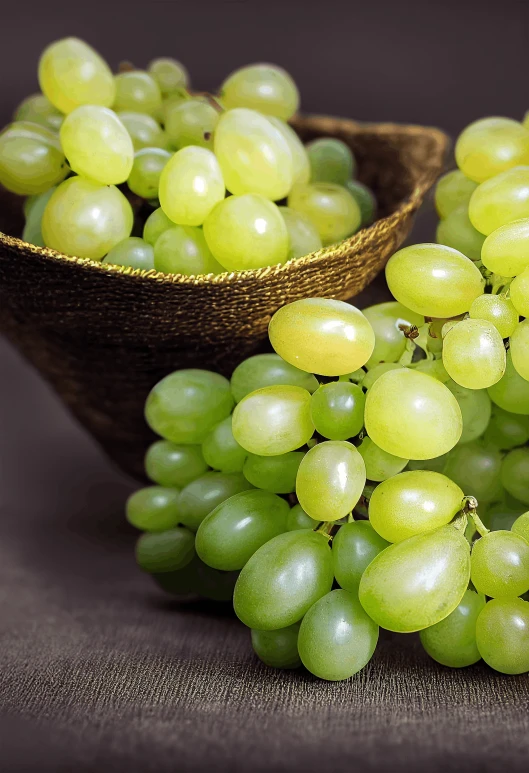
(137, 170)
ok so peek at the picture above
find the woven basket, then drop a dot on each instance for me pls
(103, 335)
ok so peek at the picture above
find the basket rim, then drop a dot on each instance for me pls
(422, 184)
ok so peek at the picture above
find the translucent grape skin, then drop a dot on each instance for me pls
(263, 87)
(144, 177)
(519, 290)
(182, 249)
(283, 579)
(365, 198)
(300, 159)
(497, 310)
(169, 74)
(476, 408)
(277, 649)
(490, 146)
(337, 410)
(331, 208)
(191, 184)
(174, 465)
(132, 252)
(191, 122)
(476, 468)
(220, 449)
(521, 526)
(505, 250)
(502, 635)
(165, 551)
(185, 405)
(520, 349)
(236, 528)
(138, 92)
(337, 638)
(457, 231)
(331, 161)
(303, 235)
(390, 341)
(515, 474)
(452, 641)
(32, 232)
(500, 564)
(511, 392)
(474, 354)
(298, 519)
(31, 158)
(417, 582)
(155, 225)
(452, 191)
(354, 547)
(322, 336)
(153, 508)
(144, 131)
(264, 370)
(500, 200)
(374, 373)
(273, 473)
(204, 494)
(506, 430)
(379, 464)
(273, 420)
(38, 109)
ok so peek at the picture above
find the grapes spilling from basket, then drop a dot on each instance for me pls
(137, 170)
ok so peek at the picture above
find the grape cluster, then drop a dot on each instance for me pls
(218, 183)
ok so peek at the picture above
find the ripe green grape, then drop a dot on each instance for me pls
(191, 122)
(264, 370)
(500, 200)
(154, 508)
(148, 165)
(476, 407)
(474, 354)
(277, 649)
(263, 87)
(502, 515)
(452, 191)
(502, 635)
(133, 252)
(185, 405)
(413, 502)
(283, 579)
(137, 92)
(337, 410)
(303, 236)
(507, 430)
(476, 468)
(169, 74)
(375, 372)
(457, 231)
(520, 349)
(220, 449)
(215, 585)
(71, 73)
(38, 109)
(86, 219)
(512, 391)
(205, 493)
(182, 249)
(273, 420)
(437, 464)
(31, 158)
(236, 528)
(32, 232)
(497, 310)
(337, 638)
(174, 465)
(331, 208)
(298, 519)
(321, 335)
(354, 547)
(519, 290)
(365, 198)
(183, 583)
(331, 161)
(490, 146)
(300, 159)
(191, 184)
(505, 250)
(418, 582)
(155, 225)
(273, 473)
(412, 415)
(521, 526)
(434, 280)
(330, 480)
(165, 551)
(515, 474)
(500, 564)
(379, 464)
(144, 131)
(452, 641)
(386, 320)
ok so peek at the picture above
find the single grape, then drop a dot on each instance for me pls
(191, 122)
(174, 465)
(379, 464)
(191, 184)
(38, 109)
(277, 649)
(365, 198)
(521, 526)
(133, 252)
(337, 410)
(375, 372)
(264, 370)
(331, 161)
(476, 468)
(215, 585)
(31, 158)
(435, 369)
(501, 516)
(452, 641)
(387, 320)
(500, 200)
(505, 250)
(183, 583)
(205, 493)
(457, 231)
(303, 235)
(155, 225)
(283, 579)
(507, 430)
(519, 290)
(263, 87)
(169, 74)
(165, 551)
(512, 391)
(500, 564)
(182, 249)
(137, 92)
(353, 548)
(144, 178)
(497, 310)
(520, 349)
(417, 582)
(153, 508)
(476, 407)
(437, 464)
(220, 449)
(273, 473)
(502, 635)
(32, 232)
(474, 354)
(300, 159)
(144, 131)
(452, 191)
(169, 103)
(331, 208)
(515, 474)
(298, 519)
(490, 146)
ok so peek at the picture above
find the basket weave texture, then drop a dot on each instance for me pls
(103, 335)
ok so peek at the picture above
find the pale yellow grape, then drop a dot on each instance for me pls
(190, 122)
(506, 250)
(246, 232)
(496, 309)
(452, 191)
(412, 415)
(86, 219)
(300, 158)
(254, 156)
(191, 184)
(375, 372)
(263, 87)
(433, 368)
(169, 74)
(520, 349)
(183, 250)
(321, 335)
(71, 73)
(31, 158)
(330, 480)
(474, 354)
(500, 200)
(434, 280)
(331, 208)
(97, 145)
(519, 291)
(38, 109)
(144, 131)
(379, 464)
(490, 146)
(155, 225)
(138, 92)
(303, 235)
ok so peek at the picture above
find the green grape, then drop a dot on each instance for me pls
(476, 407)
(303, 235)
(433, 368)
(144, 177)
(86, 219)
(321, 335)
(520, 349)
(505, 250)
(144, 131)
(38, 109)
(452, 641)
(71, 73)
(298, 519)
(191, 122)
(133, 252)
(417, 582)
(165, 551)
(452, 191)
(387, 319)
(182, 249)
(247, 232)
(379, 464)
(236, 528)
(500, 564)
(413, 502)
(374, 373)
(31, 158)
(515, 474)
(191, 184)
(300, 159)
(337, 638)
(283, 579)
(153, 508)
(170, 101)
(33, 228)
(500, 200)
(501, 515)
(521, 526)
(273, 420)
(273, 473)
(490, 146)
(264, 370)
(474, 354)
(457, 231)
(182, 583)
(263, 87)
(185, 405)
(205, 493)
(331, 208)
(519, 290)
(277, 649)
(498, 311)
(331, 161)
(354, 547)
(502, 635)
(412, 415)
(220, 449)
(215, 585)
(476, 468)
(434, 280)
(365, 198)
(169, 74)
(174, 465)
(337, 410)
(155, 225)
(436, 464)
(512, 391)
(330, 480)
(507, 430)
(137, 92)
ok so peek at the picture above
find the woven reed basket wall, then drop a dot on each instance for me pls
(103, 335)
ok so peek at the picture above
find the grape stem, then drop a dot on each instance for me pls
(460, 521)
(325, 528)
(470, 507)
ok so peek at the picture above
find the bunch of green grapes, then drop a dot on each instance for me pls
(217, 183)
